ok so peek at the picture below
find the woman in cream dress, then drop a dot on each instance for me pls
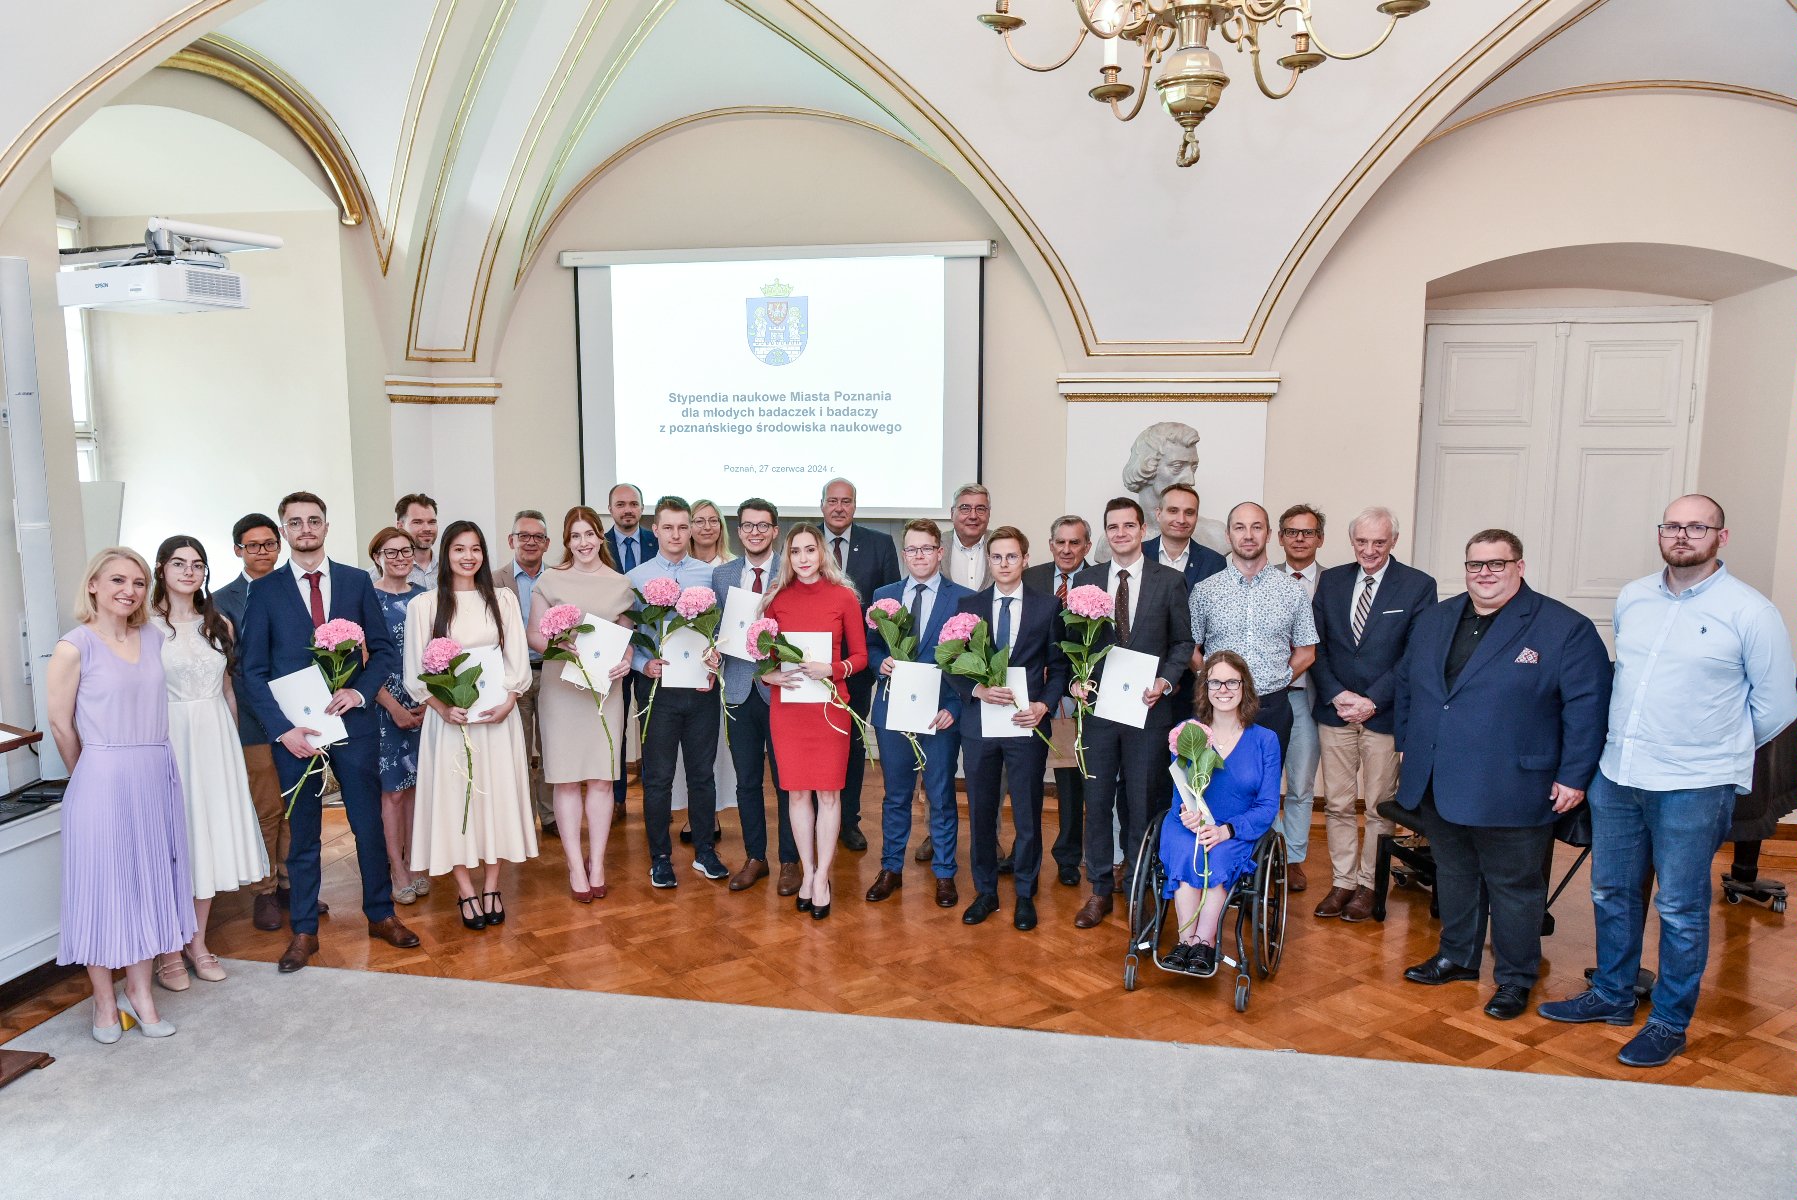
(467, 607)
(578, 760)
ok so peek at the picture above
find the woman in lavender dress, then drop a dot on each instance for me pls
(127, 894)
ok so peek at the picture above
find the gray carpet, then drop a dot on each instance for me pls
(347, 1083)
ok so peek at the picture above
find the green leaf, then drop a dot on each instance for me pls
(906, 649)
(1001, 662)
(1073, 649)
(969, 664)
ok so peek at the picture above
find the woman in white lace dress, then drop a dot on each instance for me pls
(224, 841)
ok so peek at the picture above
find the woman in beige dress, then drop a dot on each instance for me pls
(578, 761)
(500, 825)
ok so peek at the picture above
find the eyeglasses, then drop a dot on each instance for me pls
(268, 547)
(755, 526)
(710, 522)
(533, 539)
(1223, 685)
(397, 555)
(1005, 560)
(1672, 529)
(305, 522)
(1494, 565)
(1301, 534)
(921, 551)
(181, 566)
(972, 510)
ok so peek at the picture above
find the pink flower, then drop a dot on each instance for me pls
(959, 627)
(752, 636)
(695, 600)
(558, 621)
(662, 592)
(439, 654)
(1092, 602)
(333, 634)
(889, 607)
(1173, 738)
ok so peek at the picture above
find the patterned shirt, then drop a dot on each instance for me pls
(1262, 618)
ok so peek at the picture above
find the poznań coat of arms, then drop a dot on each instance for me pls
(778, 326)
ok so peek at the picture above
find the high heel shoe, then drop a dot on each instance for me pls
(471, 904)
(206, 966)
(599, 891)
(106, 1035)
(820, 911)
(581, 895)
(802, 903)
(158, 1029)
(495, 913)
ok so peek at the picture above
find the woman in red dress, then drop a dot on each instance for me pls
(811, 741)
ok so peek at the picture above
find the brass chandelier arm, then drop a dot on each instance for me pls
(1141, 93)
(1391, 23)
(1030, 66)
(1260, 80)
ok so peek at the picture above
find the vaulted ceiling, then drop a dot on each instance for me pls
(462, 127)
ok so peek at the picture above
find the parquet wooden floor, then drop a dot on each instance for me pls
(1340, 990)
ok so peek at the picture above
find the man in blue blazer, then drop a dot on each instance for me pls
(1173, 547)
(1029, 622)
(285, 607)
(870, 560)
(931, 598)
(751, 745)
(631, 542)
(1500, 718)
(1365, 611)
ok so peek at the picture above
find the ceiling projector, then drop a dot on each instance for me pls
(179, 267)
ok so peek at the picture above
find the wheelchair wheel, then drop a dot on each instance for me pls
(1269, 908)
(1241, 994)
(1145, 889)
(1129, 973)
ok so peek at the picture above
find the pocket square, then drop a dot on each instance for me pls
(1528, 656)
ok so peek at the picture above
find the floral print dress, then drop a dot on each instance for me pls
(399, 747)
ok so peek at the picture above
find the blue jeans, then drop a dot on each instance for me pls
(1676, 834)
(898, 767)
(1301, 758)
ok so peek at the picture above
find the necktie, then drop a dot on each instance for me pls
(1060, 587)
(1362, 606)
(757, 570)
(917, 607)
(1004, 621)
(312, 578)
(630, 553)
(1123, 608)
(839, 555)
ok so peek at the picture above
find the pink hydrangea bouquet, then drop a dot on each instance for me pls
(560, 627)
(655, 605)
(1090, 611)
(893, 622)
(446, 679)
(773, 652)
(339, 648)
(965, 649)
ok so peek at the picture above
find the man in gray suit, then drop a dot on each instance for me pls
(751, 747)
(1070, 540)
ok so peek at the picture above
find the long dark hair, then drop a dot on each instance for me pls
(213, 625)
(483, 581)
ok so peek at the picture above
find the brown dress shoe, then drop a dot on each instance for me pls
(393, 933)
(267, 913)
(791, 876)
(747, 874)
(885, 883)
(1360, 908)
(1093, 911)
(946, 895)
(1334, 902)
(1294, 878)
(298, 952)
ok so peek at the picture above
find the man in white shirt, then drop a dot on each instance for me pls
(966, 557)
(1070, 541)
(529, 543)
(1300, 536)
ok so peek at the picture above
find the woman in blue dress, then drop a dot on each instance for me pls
(399, 719)
(1205, 860)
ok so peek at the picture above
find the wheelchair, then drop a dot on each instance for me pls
(1259, 901)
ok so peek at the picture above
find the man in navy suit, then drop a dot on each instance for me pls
(931, 598)
(1029, 622)
(870, 560)
(1500, 719)
(1069, 540)
(284, 609)
(1173, 547)
(1152, 618)
(1364, 612)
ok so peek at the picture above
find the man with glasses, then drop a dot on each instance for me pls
(1500, 719)
(529, 542)
(1704, 675)
(1069, 540)
(1365, 611)
(257, 541)
(870, 560)
(1300, 537)
(971, 513)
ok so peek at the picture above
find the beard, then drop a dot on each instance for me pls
(1687, 555)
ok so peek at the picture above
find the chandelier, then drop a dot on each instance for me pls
(1175, 35)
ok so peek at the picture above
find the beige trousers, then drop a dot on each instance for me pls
(1354, 755)
(265, 793)
(541, 796)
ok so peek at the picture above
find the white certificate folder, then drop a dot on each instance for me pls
(1127, 675)
(996, 719)
(741, 607)
(303, 697)
(599, 651)
(912, 702)
(816, 648)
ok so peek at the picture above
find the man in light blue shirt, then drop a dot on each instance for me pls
(1704, 676)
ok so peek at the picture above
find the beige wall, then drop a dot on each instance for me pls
(776, 181)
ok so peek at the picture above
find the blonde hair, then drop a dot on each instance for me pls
(828, 571)
(724, 552)
(85, 611)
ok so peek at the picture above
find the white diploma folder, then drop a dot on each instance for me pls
(599, 651)
(816, 647)
(491, 661)
(740, 605)
(912, 702)
(303, 697)
(995, 719)
(1188, 799)
(684, 652)
(1127, 675)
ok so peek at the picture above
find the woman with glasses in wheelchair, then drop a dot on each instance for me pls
(1204, 861)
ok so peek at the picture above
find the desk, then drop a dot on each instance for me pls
(30, 898)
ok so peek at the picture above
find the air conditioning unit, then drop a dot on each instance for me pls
(153, 287)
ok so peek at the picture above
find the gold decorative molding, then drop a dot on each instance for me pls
(1626, 85)
(1153, 398)
(1549, 36)
(1132, 387)
(422, 73)
(430, 389)
(408, 398)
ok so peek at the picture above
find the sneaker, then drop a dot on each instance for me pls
(1178, 958)
(1588, 1006)
(708, 865)
(1655, 1046)
(661, 873)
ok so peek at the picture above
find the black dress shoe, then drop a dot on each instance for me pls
(1509, 1002)
(1069, 876)
(1179, 958)
(983, 906)
(1025, 918)
(851, 838)
(1439, 970)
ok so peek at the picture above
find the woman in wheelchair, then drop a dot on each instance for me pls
(1205, 860)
